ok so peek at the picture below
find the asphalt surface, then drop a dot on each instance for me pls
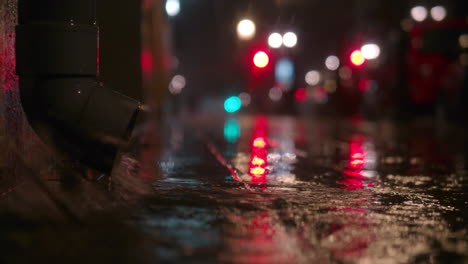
(249, 189)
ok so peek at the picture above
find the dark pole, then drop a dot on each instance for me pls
(57, 62)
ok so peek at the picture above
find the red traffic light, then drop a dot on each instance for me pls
(357, 59)
(261, 59)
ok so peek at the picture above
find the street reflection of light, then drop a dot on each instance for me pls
(172, 7)
(232, 104)
(261, 59)
(290, 39)
(419, 13)
(463, 40)
(275, 40)
(259, 143)
(275, 94)
(246, 29)
(345, 73)
(301, 95)
(370, 51)
(232, 130)
(258, 161)
(284, 71)
(257, 171)
(312, 78)
(177, 84)
(245, 98)
(332, 63)
(438, 13)
(357, 58)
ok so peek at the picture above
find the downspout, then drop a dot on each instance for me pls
(57, 64)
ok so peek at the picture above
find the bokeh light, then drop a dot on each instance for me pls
(232, 131)
(275, 94)
(312, 78)
(246, 29)
(172, 7)
(290, 39)
(463, 41)
(177, 84)
(332, 63)
(284, 71)
(245, 98)
(261, 59)
(259, 142)
(232, 104)
(438, 13)
(301, 95)
(345, 73)
(357, 58)
(370, 51)
(275, 40)
(419, 13)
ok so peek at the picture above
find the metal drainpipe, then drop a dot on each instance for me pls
(57, 62)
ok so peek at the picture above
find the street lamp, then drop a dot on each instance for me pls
(438, 13)
(172, 7)
(290, 39)
(246, 29)
(275, 40)
(370, 51)
(419, 13)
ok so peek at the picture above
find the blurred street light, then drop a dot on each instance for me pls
(275, 94)
(261, 59)
(438, 13)
(370, 51)
(463, 41)
(290, 39)
(177, 84)
(357, 59)
(245, 98)
(232, 104)
(172, 7)
(419, 13)
(332, 63)
(312, 78)
(275, 40)
(246, 29)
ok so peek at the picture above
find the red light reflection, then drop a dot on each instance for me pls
(353, 174)
(258, 161)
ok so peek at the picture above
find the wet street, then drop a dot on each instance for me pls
(253, 189)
